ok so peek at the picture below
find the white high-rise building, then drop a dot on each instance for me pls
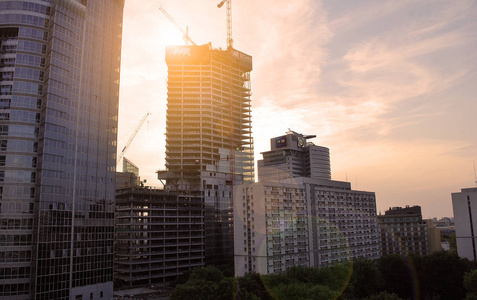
(465, 218)
(302, 221)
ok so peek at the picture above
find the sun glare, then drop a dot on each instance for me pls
(171, 35)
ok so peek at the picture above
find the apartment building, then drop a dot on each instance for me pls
(404, 232)
(301, 221)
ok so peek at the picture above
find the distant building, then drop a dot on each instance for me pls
(130, 167)
(433, 236)
(125, 179)
(465, 216)
(403, 231)
(159, 236)
(129, 177)
(301, 221)
(292, 156)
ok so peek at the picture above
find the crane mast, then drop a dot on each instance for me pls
(120, 156)
(230, 41)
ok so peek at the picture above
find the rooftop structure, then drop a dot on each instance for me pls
(292, 155)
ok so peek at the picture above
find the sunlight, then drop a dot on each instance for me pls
(171, 35)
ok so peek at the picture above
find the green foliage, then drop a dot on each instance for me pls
(201, 289)
(384, 296)
(207, 273)
(453, 242)
(204, 284)
(335, 277)
(365, 280)
(226, 289)
(251, 285)
(470, 284)
(397, 275)
(441, 275)
(303, 291)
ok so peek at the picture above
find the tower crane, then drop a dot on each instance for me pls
(185, 34)
(120, 156)
(230, 41)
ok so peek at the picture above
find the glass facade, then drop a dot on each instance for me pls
(59, 89)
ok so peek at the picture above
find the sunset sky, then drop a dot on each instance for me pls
(389, 86)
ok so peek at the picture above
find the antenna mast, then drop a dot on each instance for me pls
(230, 41)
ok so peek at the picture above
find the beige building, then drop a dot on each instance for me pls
(433, 236)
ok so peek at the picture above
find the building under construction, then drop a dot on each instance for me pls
(209, 145)
(159, 236)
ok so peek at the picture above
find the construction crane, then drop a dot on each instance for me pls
(185, 34)
(120, 156)
(230, 41)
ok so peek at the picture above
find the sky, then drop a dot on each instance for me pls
(389, 87)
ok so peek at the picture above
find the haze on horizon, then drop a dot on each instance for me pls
(388, 86)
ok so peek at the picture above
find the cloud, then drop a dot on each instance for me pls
(286, 40)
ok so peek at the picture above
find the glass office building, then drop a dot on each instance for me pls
(59, 89)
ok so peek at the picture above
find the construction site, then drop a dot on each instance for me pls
(209, 149)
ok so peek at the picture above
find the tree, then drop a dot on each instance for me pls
(398, 276)
(470, 284)
(207, 273)
(384, 296)
(303, 291)
(441, 274)
(365, 280)
(203, 283)
(251, 285)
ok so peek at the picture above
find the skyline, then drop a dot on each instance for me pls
(387, 87)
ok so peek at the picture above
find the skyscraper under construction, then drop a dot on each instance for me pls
(209, 145)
